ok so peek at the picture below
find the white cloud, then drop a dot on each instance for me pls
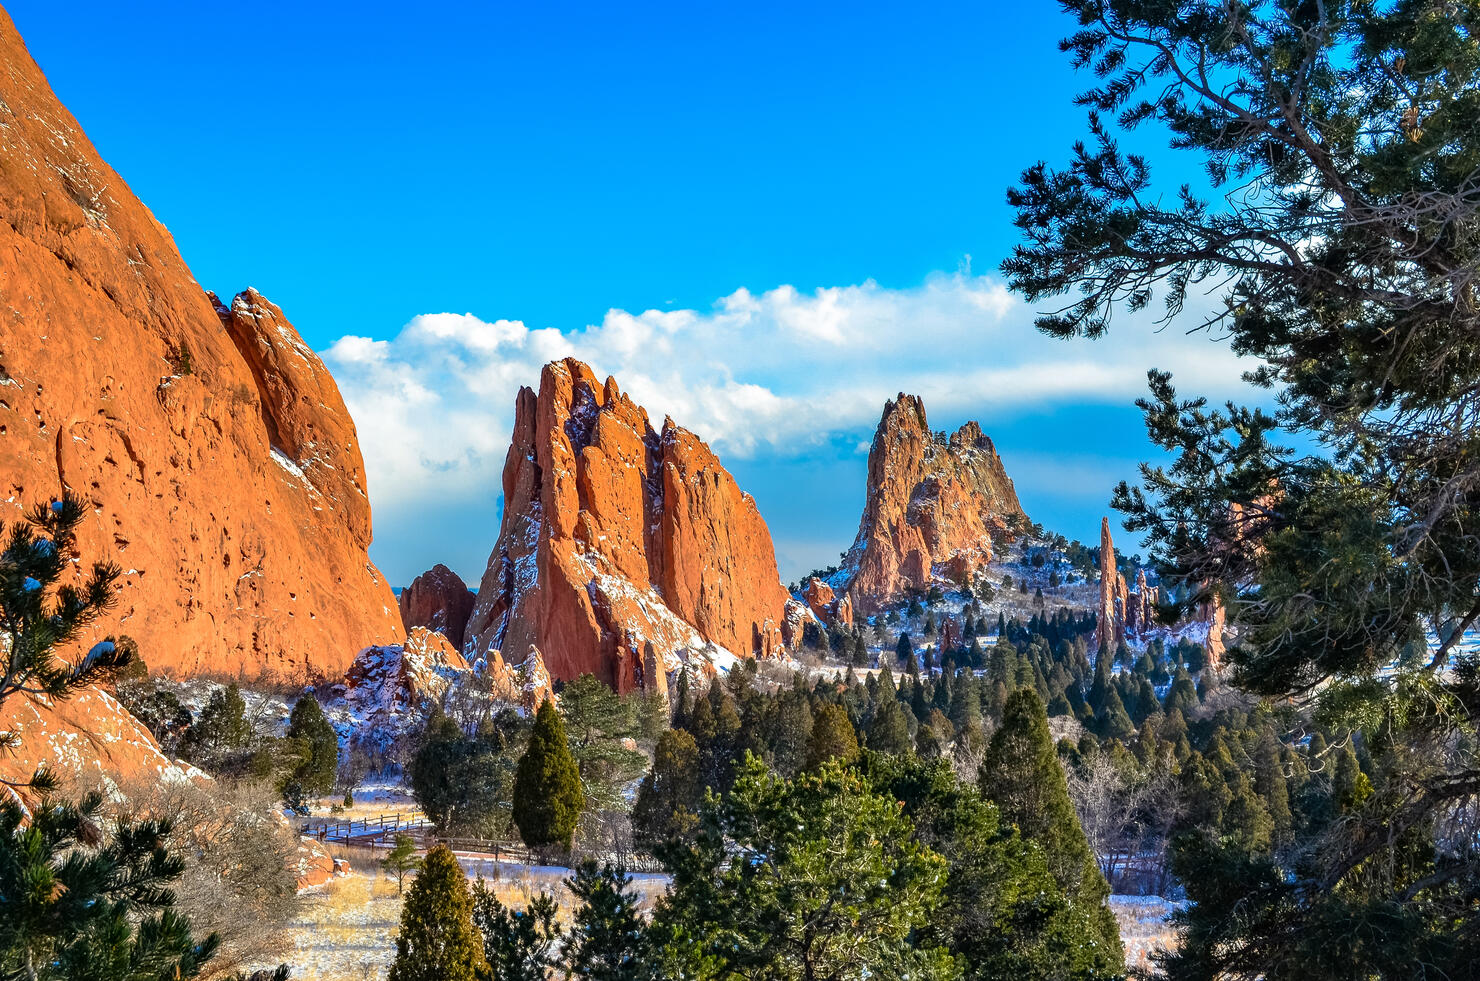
(762, 374)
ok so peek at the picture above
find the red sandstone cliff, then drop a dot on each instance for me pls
(614, 535)
(934, 503)
(439, 600)
(222, 468)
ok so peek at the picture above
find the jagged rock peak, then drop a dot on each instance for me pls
(615, 535)
(221, 467)
(1108, 632)
(439, 600)
(934, 503)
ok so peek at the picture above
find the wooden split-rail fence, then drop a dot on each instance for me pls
(381, 831)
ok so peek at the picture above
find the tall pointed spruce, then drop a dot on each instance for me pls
(1022, 776)
(547, 786)
(438, 941)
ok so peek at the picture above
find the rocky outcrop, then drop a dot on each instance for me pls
(934, 504)
(389, 689)
(826, 605)
(1131, 614)
(616, 534)
(654, 675)
(439, 600)
(221, 467)
(1215, 615)
(1107, 630)
(87, 734)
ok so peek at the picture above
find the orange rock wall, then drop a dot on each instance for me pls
(933, 505)
(615, 534)
(222, 468)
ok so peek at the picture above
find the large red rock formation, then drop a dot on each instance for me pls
(222, 468)
(616, 534)
(934, 504)
(826, 605)
(439, 600)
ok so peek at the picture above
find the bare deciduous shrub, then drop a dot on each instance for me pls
(238, 879)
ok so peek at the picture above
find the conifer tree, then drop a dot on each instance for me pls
(519, 945)
(834, 884)
(437, 940)
(904, 651)
(681, 699)
(596, 721)
(1246, 820)
(221, 729)
(547, 785)
(82, 898)
(668, 799)
(316, 745)
(833, 737)
(608, 936)
(1022, 776)
(39, 612)
(888, 729)
(401, 860)
(1272, 787)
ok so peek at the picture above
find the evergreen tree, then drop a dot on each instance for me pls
(437, 940)
(1349, 785)
(608, 936)
(785, 731)
(668, 799)
(833, 737)
(904, 651)
(39, 613)
(1339, 530)
(547, 785)
(1272, 787)
(1246, 820)
(597, 720)
(221, 729)
(817, 877)
(1003, 914)
(888, 729)
(1112, 721)
(81, 900)
(464, 783)
(519, 945)
(1022, 776)
(401, 860)
(316, 746)
(681, 699)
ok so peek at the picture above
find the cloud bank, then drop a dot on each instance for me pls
(778, 374)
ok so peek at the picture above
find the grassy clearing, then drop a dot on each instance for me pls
(347, 930)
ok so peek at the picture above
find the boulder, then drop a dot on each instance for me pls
(314, 866)
(439, 600)
(933, 506)
(615, 535)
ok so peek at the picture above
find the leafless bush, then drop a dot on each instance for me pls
(238, 880)
(1127, 813)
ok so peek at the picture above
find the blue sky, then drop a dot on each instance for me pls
(762, 218)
